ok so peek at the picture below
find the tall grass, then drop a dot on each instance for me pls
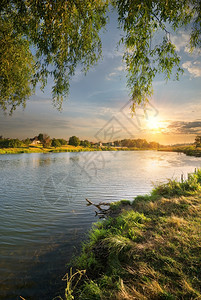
(175, 188)
(150, 250)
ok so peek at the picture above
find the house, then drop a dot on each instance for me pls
(35, 141)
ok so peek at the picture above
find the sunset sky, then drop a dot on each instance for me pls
(98, 105)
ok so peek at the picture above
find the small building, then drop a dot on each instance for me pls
(35, 141)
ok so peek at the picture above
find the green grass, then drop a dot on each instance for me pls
(21, 150)
(39, 149)
(191, 150)
(149, 249)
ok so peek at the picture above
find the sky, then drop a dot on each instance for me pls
(98, 106)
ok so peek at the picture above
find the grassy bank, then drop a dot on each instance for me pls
(188, 150)
(146, 249)
(67, 148)
(40, 149)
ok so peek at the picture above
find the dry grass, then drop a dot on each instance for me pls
(151, 251)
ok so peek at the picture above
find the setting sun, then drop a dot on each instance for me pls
(153, 123)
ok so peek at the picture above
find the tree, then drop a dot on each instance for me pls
(74, 141)
(198, 141)
(40, 137)
(56, 143)
(46, 141)
(16, 66)
(154, 145)
(85, 143)
(11, 143)
(65, 34)
(62, 141)
(27, 141)
(117, 143)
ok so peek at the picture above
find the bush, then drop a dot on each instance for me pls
(74, 141)
(56, 143)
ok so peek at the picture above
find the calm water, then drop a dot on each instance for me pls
(44, 216)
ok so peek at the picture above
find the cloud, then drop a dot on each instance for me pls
(113, 53)
(180, 40)
(194, 68)
(111, 76)
(117, 71)
(183, 127)
(120, 68)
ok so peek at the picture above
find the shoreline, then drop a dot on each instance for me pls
(145, 249)
(65, 149)
(189, 151)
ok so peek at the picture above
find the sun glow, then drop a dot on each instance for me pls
(153, 124)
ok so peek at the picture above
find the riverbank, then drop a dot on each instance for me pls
(40, 149)
(188, 150)
(66, 148)
(146, 249)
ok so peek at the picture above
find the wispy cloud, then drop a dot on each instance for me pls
(194, 68)
(116, 73)
(111, 76)
(113, 53)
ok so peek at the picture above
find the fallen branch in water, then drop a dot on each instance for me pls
(102, 212)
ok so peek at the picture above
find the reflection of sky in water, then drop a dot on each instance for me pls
(43, 210)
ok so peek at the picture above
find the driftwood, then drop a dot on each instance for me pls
(102, 211)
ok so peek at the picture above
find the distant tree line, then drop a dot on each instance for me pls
(43, 139)
(75, 141)
(10, 143)
(137, 143)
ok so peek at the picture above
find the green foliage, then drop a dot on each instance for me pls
(66, 34)
(55, 143)
(27, 141)
(85, 143)
(74, 141)
(117, 204)
(198, 141)
(150, 252)
(91, 291)
(137, 143)
(40, 137)
(10, 143)
(62, 142)
(45, 140)
(175, 188)
(142, 24)
(16, 66)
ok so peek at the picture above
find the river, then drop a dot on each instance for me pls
(43, 212)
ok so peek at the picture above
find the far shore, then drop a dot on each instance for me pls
(188, 150)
